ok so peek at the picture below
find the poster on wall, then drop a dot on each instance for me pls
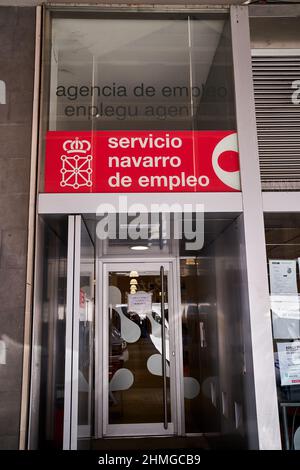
(284, 299)
(289, 362)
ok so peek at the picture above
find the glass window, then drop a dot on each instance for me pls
(140, 72)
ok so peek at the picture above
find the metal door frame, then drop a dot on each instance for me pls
(101, 360)
(70, 426)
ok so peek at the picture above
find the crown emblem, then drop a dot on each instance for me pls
(76, 168)
(76, 146)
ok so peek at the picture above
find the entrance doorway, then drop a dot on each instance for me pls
(141, 365)
(150, 345)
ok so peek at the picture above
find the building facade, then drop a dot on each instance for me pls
(149, 225)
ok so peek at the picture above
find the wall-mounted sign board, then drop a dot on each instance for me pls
(141, 161)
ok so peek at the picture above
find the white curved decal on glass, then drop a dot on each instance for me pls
(155, 325)
(155, 335)
(115, 295)
(230, 178)
(121, 380)
(154, 365)
(130, 331)
(158, 344)
(191, 387)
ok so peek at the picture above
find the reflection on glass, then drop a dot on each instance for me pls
(86, 338)
(141, 73)
(213, 301)
(199, 336)
(135, 361)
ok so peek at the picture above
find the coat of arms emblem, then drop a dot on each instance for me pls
(76, 168)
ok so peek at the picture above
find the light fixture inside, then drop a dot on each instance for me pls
(140, 247)
(190, 261)
(133, 274)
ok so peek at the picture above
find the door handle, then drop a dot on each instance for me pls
(163, 347)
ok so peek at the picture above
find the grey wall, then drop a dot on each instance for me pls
(17, 31)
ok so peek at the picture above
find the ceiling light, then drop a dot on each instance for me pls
(133, 274)
(140, 247)
(190, 261)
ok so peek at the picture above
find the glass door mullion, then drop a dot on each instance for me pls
(69, 334)
(79, 335)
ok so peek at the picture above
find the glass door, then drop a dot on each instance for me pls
(139, 358)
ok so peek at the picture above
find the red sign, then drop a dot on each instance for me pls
(141, 161)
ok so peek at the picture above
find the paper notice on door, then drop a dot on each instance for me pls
(140, 303)
(284, 299)
(289, 362)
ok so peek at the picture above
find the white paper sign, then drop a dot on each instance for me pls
(283, 276)
(140, 302)
(289, 362)
(285, 306)
(284, 299)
